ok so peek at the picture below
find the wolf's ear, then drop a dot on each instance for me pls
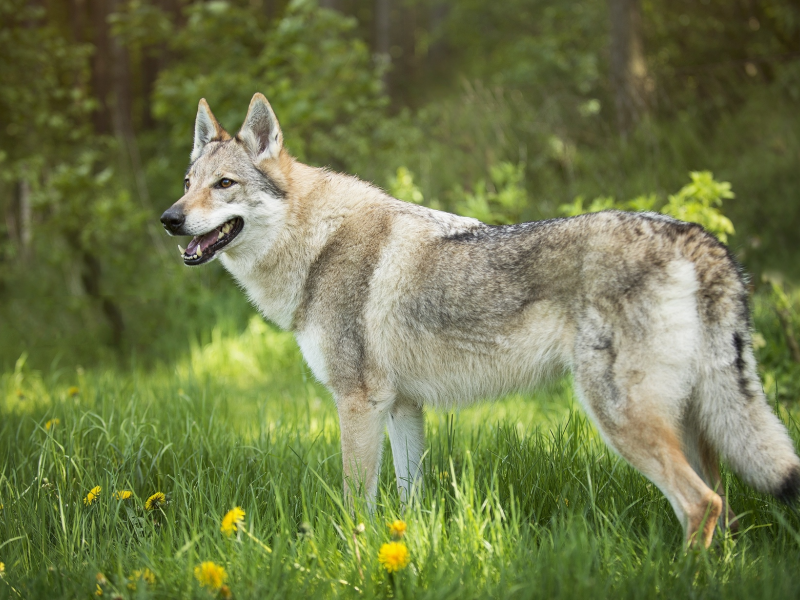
(206, 128)
(261, 132)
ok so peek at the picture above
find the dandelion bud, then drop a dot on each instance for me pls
(305, 529)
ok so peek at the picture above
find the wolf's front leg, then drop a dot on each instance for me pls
(362, 422)
(406, 426)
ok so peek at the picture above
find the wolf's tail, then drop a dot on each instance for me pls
(738, 420)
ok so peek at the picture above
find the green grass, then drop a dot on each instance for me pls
(521, 498)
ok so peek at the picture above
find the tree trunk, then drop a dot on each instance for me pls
(90, 277)
(76, 20)
(629, 79)
(151, 66)
(438, 16)
(382, 43)
(122, 108)
(101, 76)
(25, 216)
(19, 217)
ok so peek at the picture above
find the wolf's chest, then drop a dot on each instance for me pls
(310, 342)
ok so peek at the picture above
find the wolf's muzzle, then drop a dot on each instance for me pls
(173, 219)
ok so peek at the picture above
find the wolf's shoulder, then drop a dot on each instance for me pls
(436, 222)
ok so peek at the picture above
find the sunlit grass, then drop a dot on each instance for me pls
(521, 498)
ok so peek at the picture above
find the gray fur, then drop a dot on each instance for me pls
(335, 293)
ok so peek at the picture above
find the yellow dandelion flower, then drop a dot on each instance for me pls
(145, 575)
(393, 556)
(73, 391)
(232, 521)
(93, 495)
(397, 529)
(98, 591)
(2, 570)
(210, 575)
(155, 501)
(52, 423)
(123, 494)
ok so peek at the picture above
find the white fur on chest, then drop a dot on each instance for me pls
(274, 298)
(310, 342)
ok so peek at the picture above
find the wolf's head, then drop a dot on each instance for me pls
(234, 189)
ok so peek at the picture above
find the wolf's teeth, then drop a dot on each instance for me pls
(227, 227)
(181, 250)
(220, 236)
(199, 252)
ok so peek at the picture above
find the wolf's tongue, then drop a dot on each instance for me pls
(203, 241)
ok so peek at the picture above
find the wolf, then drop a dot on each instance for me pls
(397, 307)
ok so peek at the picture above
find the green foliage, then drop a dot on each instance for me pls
(576, 207)
(41, 116)
(472, 89)
(96, 241)
(402, 186)
(700, 202)
(318, 77)
(140, 24)
(89, 210)
(697, 202)
(777, 316)
(75, 218)
(686, 42)
(521, 497)
(500, 200)
(532, 45)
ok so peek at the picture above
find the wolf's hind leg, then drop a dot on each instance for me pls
(653, 447)
(644, 436)
(705, 461)
(406, 426)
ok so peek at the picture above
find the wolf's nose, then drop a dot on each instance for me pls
(173, 219)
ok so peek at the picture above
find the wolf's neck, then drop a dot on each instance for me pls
(275, 280)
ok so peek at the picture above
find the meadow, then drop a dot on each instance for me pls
(118, 478)
(521, 498)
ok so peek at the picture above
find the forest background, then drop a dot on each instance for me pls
(513, 110)
(126, 377)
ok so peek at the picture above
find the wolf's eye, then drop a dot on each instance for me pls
(186, 183)
(226, 183)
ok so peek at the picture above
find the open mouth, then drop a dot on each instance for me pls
(202, 248)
